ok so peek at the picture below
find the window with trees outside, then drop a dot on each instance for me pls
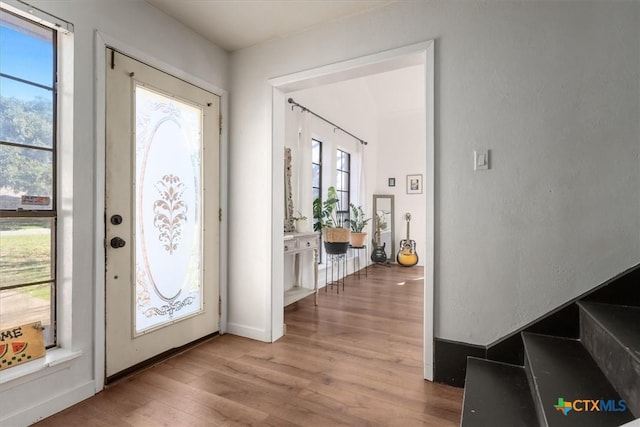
(343, 183)
(316, 178)
(316, 164)
(28, 202)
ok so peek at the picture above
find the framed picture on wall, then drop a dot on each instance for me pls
(414, 184)
(392, 182)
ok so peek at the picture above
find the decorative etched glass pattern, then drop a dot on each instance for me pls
(171, 211)
(168, 191)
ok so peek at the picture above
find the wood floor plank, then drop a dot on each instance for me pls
(196, 402)
(353, 360)
(84, 414)
(156, 413)
(288, 406)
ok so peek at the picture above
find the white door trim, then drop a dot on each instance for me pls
(101, 42)
(423, 53)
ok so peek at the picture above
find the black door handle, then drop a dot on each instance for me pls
(117, 242)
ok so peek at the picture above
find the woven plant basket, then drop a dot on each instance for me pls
(337, 235)
(357, 239)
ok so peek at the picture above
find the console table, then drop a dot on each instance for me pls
(294, 245)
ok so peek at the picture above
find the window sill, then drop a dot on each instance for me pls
(55, 360)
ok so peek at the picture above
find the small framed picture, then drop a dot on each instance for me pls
(392, 182)
(414, 184)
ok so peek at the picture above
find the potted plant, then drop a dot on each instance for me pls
(357, 223)
(300, 223)
(327, 221)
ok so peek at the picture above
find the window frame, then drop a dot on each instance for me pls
(70, 330)
(340, 173)
(319, 165)
(319, 187)
(51, 213)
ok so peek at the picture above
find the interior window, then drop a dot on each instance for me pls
(316, 164)
(316, 179)
(343, 183)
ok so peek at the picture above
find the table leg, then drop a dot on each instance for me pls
(315, 275)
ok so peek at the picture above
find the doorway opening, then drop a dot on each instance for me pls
(421, 54)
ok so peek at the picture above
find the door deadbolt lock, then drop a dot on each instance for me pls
(116, 219)
(117, 242)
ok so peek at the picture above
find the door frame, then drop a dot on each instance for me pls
(419, 53)
(101, 42)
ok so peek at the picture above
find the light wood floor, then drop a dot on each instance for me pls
(355, 360)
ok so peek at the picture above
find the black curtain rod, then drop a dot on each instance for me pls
(303, 108)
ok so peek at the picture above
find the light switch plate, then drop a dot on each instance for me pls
(480, 160)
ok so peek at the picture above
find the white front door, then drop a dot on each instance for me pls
(162, 221)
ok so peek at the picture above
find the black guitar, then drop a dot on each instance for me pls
(378, 254)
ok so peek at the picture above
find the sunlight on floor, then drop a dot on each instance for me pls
(411, 280)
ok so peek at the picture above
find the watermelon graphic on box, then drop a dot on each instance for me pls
(4, 348)
(21, 344)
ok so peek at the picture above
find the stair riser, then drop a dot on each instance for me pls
(620, 367)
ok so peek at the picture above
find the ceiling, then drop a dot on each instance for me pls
(359, 103)
(233, 24)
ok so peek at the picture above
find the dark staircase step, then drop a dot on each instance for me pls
(560, 371)
(611, 334)
(496, 394)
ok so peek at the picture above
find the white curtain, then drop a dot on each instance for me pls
(361, 181)
(303, 172)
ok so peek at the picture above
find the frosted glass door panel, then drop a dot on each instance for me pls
(168, 194)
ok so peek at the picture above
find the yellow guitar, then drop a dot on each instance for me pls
(407, 255)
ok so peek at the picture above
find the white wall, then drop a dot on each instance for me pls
(142, 28)
(402, 152)
(552, 88)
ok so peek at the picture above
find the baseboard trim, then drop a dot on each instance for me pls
(50, 406)
(451, 360)
(428, 371)
(248, 332)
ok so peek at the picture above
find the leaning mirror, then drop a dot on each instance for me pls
(383, 221)
(289, 226)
